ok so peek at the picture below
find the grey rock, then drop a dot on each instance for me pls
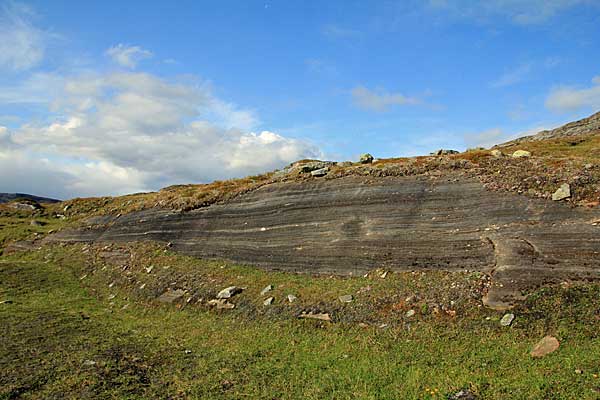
(228, 292)
(497, 153)
(312, 166)
(521, 154)
(89, 363)
(171, 296)
(267, 289)
(547, 345)
(365, 158)
(320, 172)
(36, 223)
(409, 313)
(463, 395)
(347, 298)
(563, 192)
(291, 298)
(507, 319)
(221, 304)
(588, 166)
(319, 316)
(268, 301)
(444, 152)
(345, 164)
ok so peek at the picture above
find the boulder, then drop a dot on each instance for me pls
(545, 346)
(291, 298)
(267, 289)
(320, 172)
(228, 292)
(171, 296)
(268, 301)
(444, 152)
(563, 192)
(347, 298)
(521, 154)
(496, 153)
(507, 319)
(365, 158)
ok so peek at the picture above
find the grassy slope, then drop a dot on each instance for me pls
(258, 352)
(58, 321)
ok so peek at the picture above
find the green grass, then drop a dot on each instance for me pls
(57, 321)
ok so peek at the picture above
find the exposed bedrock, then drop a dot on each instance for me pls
(354, 224)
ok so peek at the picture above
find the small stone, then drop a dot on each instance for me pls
(463, 395)
(266, 290)
(221, 304)
(319, 316)
(36, 223)
(268, 301)
(521, 154)
(228, 292)
(347, 298)
(545, 346)
(496, 153)
(578, 371)
(149, 269)
(409, 313)
(365, 158)
(384, 274)
(89, 363)
(563, 192)
(291, 298)
(320, 172)
(187, 351)
(588, 166)
(507, 319)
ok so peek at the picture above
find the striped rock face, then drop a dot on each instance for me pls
(355, 224)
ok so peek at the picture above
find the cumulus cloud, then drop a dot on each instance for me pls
(379, 100)
(125, 132)
(21, 44)
(568, 98)
(522, 12)
(128, 56)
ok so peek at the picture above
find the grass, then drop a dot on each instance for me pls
(58, 324)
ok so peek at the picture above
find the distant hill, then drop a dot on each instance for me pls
(584, 126)
(6, 197)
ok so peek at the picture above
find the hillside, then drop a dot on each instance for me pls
(585, 126)
(429, 277)
(6, 197)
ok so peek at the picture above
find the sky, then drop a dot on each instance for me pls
(112, 97)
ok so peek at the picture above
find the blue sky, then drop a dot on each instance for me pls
(115, 97)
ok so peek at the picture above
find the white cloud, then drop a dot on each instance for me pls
(513, 76)
(338, 32)
(379, 100)
(128, 56)
(21, 44)
(522, 12)
(122, 132)
(570, 98)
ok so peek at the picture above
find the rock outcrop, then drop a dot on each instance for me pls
(351, 225)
